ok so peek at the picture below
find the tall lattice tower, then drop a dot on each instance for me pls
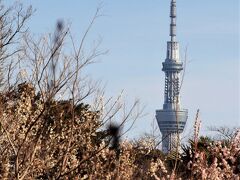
(172, 118)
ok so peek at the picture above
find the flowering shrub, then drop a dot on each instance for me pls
(54, 139)
(219, 161)
(44, 138)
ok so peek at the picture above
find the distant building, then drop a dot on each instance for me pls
(172, 118)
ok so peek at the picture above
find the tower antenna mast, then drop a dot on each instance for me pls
(173, 16)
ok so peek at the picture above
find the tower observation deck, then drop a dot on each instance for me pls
(172, 118)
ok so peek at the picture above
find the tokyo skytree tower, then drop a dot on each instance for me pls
(172, 118)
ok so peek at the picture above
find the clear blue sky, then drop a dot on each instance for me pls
(136, 31)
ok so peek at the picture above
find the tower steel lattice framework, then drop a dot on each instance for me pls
(172, 118)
